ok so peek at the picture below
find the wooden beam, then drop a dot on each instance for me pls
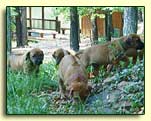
(56, 23)
(43, 23)
(30, 22)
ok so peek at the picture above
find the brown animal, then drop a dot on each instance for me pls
(59, 54)
(73, 79)
(110, 52)
(29, 62)
(131, 52)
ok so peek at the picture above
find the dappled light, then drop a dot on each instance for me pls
(75, 60)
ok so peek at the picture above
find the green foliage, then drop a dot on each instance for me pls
(116, 32)
(13, 11)
(119, 9)
(134, 75)
(101, 40)
(30, 94)
(82, 11)
(88, 10)
(23, 90)
(141, 8)
(65, 11)
(13, 21)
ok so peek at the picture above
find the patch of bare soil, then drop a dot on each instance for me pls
(49, 45)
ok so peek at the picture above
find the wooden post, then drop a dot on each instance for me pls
(43, 23)
(56, 24)
(30, 22)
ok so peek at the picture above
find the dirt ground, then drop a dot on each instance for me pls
(49, 45)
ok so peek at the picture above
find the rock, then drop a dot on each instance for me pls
(113, 96)
(96, 88)
(123, 83)
(122, 104)
(108, 80)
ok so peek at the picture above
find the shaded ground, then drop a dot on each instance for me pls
(120, 93)
(48, 44)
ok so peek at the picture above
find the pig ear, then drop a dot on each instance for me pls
(53, 55)
(68, 52)
(27, 55)
(42, 53)
(89, 88)
(71, 92)
(129, 41)
(58, 59)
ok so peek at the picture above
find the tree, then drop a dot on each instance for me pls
(94, 30)
(130, 20)
(82, 11)
(8, 12)
(140, 15)
(74, 29)
(108, 25)
(21, 29)
(93, 16)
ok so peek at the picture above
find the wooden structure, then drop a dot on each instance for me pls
(64, 29)
(117, 24)
(41, 32)
(41, 22)
(86, 25)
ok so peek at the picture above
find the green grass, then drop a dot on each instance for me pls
(40, 94)
(23, 90)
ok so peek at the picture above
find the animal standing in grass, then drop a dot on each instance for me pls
(111, 52)
(73, 77)
(28, 63)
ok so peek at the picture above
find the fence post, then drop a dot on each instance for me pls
(56, 24)
(43, 23)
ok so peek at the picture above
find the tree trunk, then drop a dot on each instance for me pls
(24, 25)
(18, 28)
(130, 20)
(8, 29)
(74, 29)
(140, 16)
(21, 26)
(94, 30)
(108, 27)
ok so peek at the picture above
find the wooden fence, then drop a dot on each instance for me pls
(42, 23)
(117, 23)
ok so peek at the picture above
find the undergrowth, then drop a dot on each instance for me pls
(29, 94)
